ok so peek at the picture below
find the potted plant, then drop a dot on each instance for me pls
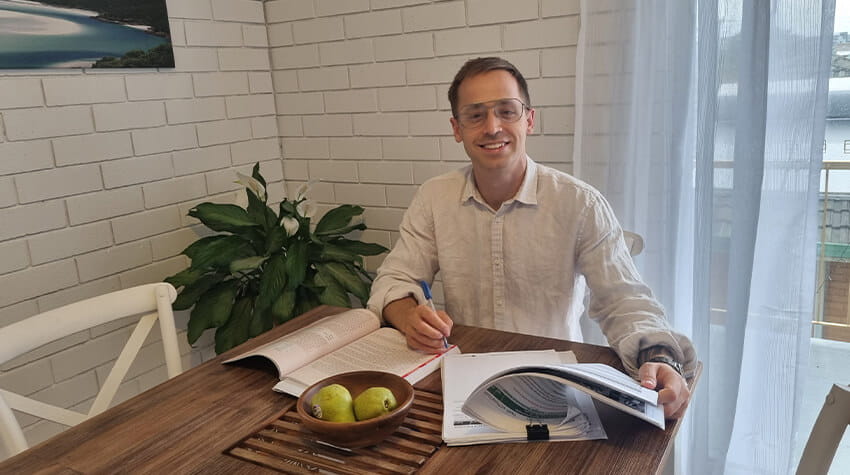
(263, 267)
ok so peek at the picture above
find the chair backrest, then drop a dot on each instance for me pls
(634, 242)
(151, 301)
(827, 432)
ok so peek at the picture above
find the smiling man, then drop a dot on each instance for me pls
(516, 241)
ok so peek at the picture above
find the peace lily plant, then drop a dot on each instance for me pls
(263, 268)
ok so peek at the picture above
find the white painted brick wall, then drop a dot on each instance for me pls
(8, 196)
(435, 17)
(128, 115)
(98, 171)
(346, 52)
(158, 86)
(15, 92)
(68, 242)
(65, 181)
(62, 91)
(195, 110)
(25, 156)
(89, 148)
(13, 256)
(24, 124)
(31, 219)
(378, 23)
(95, 206)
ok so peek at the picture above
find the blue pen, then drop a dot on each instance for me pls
(427, 291)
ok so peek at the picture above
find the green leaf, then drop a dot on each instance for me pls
(306, 301)
(287, 208)
(246, 264)
(185, 277)
(256, 211)
(260, 322)
(282, 308)
(296, 264)
(255, 173)
(337, 219)
(272, 282)
(192, 292)
(235, 331)
(334, 253)
(335, 296)
(347, 277)
(222, 217)
(359, 247)
(212, 310)
(332, 293)
(345, 230)
(275, 239)
(217, 251)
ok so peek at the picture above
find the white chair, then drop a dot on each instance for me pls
(21, 337)
(634, 242)
(590, 331)
(827, 432)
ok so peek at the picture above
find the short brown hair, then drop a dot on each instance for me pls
(477, 66)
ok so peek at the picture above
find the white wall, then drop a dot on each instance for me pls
(97, 172)
(98, 169)
(361, 89)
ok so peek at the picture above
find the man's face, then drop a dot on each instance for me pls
(494, 143)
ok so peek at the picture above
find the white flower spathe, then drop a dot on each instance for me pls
(290, 225)
(252, 184)
(306, 208)
(304, 189)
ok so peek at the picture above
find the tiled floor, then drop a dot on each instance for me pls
(829, 363)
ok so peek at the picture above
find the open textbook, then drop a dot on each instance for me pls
(462, 374)
(349, 341)
(543, 395)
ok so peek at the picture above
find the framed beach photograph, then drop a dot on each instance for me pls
(84, 34)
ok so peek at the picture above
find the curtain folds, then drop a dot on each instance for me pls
(702, 122)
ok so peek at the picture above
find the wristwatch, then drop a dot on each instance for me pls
(659, 354)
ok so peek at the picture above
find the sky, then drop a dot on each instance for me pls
(842, 15)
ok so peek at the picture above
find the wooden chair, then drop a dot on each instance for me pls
(827, 432)
(152, 301)
(590, 331)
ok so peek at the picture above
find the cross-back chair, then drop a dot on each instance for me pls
(151, 301)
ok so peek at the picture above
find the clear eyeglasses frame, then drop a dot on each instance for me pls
(507, 110)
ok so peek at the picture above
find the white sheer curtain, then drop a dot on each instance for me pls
(702, 122)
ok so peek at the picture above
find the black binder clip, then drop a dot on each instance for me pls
(537, 431)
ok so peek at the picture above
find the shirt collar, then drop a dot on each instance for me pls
(527, 193)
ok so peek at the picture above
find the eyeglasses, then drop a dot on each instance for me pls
(507, 110)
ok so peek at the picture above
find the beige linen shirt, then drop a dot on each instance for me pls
(522, 268)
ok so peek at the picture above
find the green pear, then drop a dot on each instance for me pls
(374, 402)
(333, 403)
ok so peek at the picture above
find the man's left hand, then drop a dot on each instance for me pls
(672, 388)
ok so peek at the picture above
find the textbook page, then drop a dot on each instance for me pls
(382, 350)
(304, 345)
(463, 373)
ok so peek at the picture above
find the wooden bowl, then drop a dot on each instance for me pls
(361, 433)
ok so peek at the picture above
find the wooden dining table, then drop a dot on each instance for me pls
(195, 423)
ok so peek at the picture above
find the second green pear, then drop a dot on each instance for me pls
(374, 402)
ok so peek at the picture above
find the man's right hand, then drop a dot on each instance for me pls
(423, 327)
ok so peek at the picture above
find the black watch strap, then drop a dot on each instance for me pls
(659, 354)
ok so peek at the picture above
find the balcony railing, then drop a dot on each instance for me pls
(832, 302)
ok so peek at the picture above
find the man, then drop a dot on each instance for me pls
(515, 241)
